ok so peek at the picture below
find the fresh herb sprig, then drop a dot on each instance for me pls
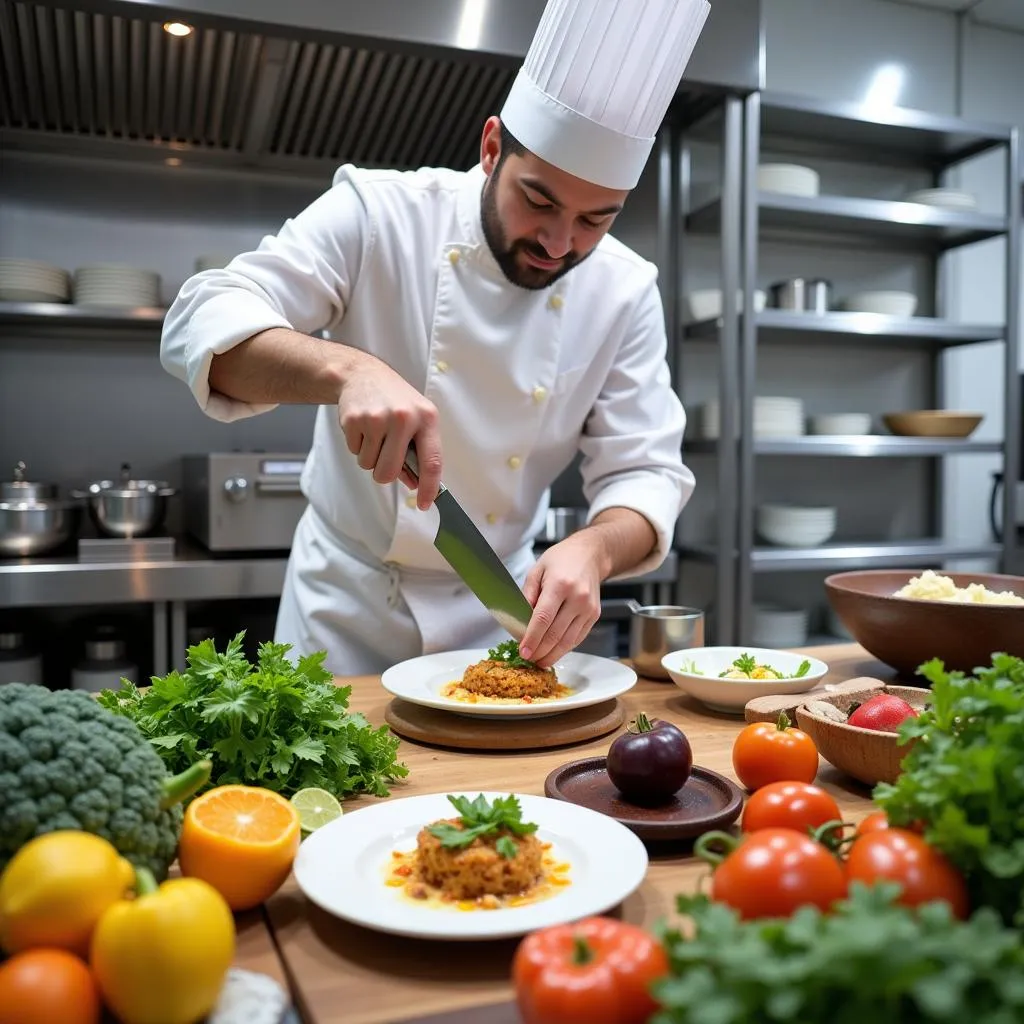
(871, 959)
(746, 663)
(481, 818)
(275, 724)
(964, 778)
(508, 652)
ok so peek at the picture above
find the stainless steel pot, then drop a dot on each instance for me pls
(20, 489)
(660, 629)
(34, 527)
(791, 294)
(127, 507)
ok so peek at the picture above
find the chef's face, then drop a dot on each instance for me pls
(538, 220)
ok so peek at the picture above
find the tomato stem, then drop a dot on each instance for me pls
(582, 952)
(830, 835)
(642, 723)
(783, 722)
(703, 847)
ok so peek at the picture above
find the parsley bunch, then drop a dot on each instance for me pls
(508, 652)
(964, 778)
(482, 818)
(870, 960)
(275, 724)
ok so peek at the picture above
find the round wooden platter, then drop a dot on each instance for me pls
(465, 732)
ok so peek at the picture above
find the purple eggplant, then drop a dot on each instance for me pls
(651, 761)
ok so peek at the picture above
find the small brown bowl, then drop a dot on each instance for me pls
(933, 423)
(905, 632)
(867, 755)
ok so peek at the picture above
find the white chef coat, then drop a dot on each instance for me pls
(396, 263)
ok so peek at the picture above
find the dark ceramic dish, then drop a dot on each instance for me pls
(707, 801)
(905, 632)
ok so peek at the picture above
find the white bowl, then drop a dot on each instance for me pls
(888, 303)
(845, 423)
(791, 179)
(792, 527)
(695, 672)
(950, 198)
(706, 303)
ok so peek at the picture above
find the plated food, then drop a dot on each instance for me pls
(440, 681)
(345, 866)
(746, 666)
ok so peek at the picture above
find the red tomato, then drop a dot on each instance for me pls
(876, 821)
(767, 752)
(773, 872)
(597, 971)
(897, 855)
(795, 805)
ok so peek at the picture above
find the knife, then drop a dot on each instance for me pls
(468, 553)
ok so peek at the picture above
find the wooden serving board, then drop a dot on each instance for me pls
(465, 732)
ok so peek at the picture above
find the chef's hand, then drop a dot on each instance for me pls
(564, 587)
(381, 415)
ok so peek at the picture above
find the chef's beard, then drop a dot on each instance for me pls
(506, 253)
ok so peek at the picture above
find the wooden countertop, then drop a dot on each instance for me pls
(340, 973)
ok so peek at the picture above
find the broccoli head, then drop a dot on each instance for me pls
(67, 763)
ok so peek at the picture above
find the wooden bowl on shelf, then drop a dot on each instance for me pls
(933, 423)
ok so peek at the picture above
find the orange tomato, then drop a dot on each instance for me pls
(796, 805)
(766, 752)
(876, 821)
(43, 986)
(242, 840)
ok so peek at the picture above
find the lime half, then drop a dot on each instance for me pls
(316, 807)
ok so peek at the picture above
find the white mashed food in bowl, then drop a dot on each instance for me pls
(931, 586)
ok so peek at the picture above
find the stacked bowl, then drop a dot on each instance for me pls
(32, 281)
(775, 626)
(773, 418)
(113, 284)
(795, 526)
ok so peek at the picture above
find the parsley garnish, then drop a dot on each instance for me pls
(275, 724)
(805, 667)
(746, 663)
(481, 818)
(508, 652)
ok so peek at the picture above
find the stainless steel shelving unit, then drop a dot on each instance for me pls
(52, 316)
(900, 138)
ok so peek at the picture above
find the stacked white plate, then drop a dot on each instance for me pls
(32, 281)
(950, 198)
(775, 626)
(773, 418)
(795, 526)
(114, 284)
(844, 423)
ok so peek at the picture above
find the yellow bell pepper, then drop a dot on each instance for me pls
(162, 957)
(55, 889)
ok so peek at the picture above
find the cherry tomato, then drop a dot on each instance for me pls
(898, 855)
(596, 971)
(878, 821)
(773, 872)
(796, 805)
(767, 752)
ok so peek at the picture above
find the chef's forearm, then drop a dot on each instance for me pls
(622, 539)
(282, 366)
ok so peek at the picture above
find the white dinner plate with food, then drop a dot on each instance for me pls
(437, 681)
(583, 863)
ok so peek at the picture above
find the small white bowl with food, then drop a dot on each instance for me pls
(725, 678)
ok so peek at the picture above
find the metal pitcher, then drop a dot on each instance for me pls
(657, 630)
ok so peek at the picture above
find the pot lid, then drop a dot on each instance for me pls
(126, 486)
(19, 482)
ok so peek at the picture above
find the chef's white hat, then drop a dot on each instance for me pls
(597, 81)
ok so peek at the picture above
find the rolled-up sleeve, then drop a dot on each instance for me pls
(300, 278)
(632, 440)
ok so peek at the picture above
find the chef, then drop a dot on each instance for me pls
(489, 319)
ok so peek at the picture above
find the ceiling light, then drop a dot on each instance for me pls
(177, 28)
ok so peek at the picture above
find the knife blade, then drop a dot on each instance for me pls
(466, 550)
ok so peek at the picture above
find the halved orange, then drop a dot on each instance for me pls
(242, 840)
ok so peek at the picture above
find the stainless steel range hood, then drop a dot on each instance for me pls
(290, 86)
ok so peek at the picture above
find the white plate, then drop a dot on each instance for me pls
(592, 680)
(342, 868)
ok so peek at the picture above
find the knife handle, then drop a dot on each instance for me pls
(413, 466)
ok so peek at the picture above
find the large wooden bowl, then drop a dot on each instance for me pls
(905, 632)
(867, 755)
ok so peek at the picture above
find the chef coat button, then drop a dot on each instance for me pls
(540, 393)
(453, 257)
(410, 500)
(514, 462)
(441, 366)
(491, 518)
(555, 302)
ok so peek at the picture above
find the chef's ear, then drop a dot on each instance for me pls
(490, 145)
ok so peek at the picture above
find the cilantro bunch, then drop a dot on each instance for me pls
(964, 778)
(870, 960)
(508, 652)
(480, 817)
(275, 724)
